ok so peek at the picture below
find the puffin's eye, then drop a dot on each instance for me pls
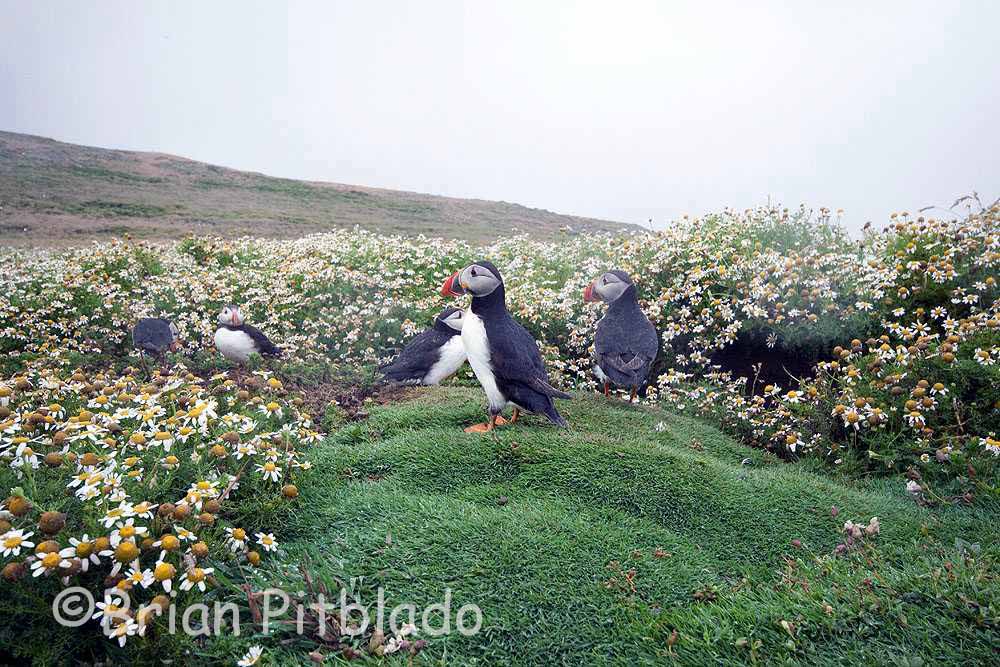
(473, 271)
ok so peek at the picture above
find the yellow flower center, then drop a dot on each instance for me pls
(164, 571)
(126, 552)
(204, 486)
(170, 542)
(196, 574)
(127, 531)
(272, 406)
(12, 542)
(51, 561)
(239, 534)
(84, 549)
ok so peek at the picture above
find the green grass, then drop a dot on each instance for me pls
(406, 501)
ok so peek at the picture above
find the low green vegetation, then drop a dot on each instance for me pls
(596, 545)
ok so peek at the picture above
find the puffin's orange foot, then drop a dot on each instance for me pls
(485, 427)
(503, 422)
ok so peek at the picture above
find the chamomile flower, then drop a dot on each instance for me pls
(237, 539)
(49, 563)
(270, 471)
(267, 541)
(163, 574)
(140, 577)
(13, 541)
(84, 549)
(127, 530)
(195, 577)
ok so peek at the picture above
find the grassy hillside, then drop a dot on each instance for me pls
(637, 536)
(538, 526)
(58, 193)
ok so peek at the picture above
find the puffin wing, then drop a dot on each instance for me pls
(152, 334)
(417, 357)
(624, 346)
(516, 360)
(264, 346)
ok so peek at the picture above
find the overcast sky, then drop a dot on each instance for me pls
(620, 110)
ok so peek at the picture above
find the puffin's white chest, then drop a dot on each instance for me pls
(477, 347)
(452, 358)
(234, 345)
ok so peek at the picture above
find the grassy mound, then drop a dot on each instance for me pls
(636, 536)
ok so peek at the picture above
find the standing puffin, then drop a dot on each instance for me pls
(626, 342)
(237, 340)
(432, 355)
(155, 336)
(502, 353)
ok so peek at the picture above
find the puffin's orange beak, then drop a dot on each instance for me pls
(588, 293)
(233, 318)
(451, 286)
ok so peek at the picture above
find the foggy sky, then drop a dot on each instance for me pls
(619, 110)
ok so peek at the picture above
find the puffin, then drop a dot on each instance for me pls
(237, 340)
(626, 342)
(432, 355)
(503, 355)
(155, 336)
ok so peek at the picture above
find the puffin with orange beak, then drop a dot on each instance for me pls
(503, 355)
(237, 340)
(626, 342)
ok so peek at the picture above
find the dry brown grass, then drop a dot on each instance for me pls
(53, 193)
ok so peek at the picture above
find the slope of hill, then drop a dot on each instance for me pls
(58, 193)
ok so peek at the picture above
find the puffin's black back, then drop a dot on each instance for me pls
(422, 352)
(264, 345)
(626, 342)
(152, 334)
(516, 360)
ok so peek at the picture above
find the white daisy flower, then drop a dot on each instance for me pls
(13, 541)
(267, 541)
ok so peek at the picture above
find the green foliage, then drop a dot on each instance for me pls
(541, 528)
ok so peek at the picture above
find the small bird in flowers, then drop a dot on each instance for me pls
(503, 355)
(432, 355)
(155, 336)
(236, 340)
(626, 343)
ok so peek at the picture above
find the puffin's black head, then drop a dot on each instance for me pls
(451, 319)
(608, 287)
(479, 279)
